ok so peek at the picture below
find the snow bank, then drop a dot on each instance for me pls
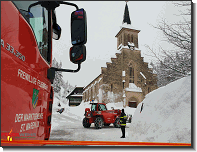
(166, 114)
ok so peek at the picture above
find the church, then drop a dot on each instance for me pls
(127, 78)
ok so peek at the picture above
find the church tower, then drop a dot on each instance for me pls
(127, 32)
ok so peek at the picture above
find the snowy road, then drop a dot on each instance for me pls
(160, 120)
(65, 128)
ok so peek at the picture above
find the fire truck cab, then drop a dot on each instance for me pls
(27, 29)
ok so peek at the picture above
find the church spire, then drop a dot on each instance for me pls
(126, 18)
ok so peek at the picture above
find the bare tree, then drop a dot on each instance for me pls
(174, 64)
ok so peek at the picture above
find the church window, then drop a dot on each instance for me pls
(128, 38)
(131, 38)
(125, 40)
(111, 87)
(131, 75)
(149, 89)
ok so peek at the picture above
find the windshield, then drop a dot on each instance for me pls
(93, 107)
(38, 20)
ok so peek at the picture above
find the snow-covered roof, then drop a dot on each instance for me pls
(99, 79)
(76, 95)
(137, 49)
(133, 87)
(120, 47)
(72, 91)
(131, 44)
(142, 75)
(129, 26)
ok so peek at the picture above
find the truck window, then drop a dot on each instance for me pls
(93, 107)
(38, 20)
(102, 107)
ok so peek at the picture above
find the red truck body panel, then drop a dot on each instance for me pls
(25, 89)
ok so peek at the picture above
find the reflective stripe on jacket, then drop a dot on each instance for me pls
(123, 120)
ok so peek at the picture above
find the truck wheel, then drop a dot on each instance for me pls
(98, 123)
(117, 123)
(86, 123)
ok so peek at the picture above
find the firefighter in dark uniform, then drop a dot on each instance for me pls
(123, 119)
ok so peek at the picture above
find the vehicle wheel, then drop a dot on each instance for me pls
(106, 124)
(86, 123)
(117, 123)
(98, 123)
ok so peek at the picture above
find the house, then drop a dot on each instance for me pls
(75, 96)
(127, 78)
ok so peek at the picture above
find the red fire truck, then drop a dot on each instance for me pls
(27, 29)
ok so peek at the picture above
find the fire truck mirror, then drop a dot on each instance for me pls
(78, 27)
(77, 54)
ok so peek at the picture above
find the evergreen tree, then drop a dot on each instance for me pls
(58, 76)
(59, 82)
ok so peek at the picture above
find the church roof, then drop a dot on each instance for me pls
(126, 18)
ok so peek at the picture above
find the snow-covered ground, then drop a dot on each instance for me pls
(166, 114)
(165, 117)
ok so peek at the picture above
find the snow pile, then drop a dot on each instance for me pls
(166, 115)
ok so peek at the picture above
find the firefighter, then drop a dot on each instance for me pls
(123, 119)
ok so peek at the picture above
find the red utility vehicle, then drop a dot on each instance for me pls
(27, 29)
(100, 116)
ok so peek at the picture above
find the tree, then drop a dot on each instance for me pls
(67, 88)
(174, 64)
(58, 76)
(59, 82)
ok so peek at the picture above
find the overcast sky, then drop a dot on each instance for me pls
(104, 19)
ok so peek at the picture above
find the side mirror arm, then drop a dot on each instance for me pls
(51, 71)
(67, 3)
(68, 70)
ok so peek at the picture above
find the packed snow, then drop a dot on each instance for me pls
(166, 114)
(165, 117)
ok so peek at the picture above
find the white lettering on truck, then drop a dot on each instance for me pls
(31, 79)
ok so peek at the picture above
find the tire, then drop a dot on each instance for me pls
(98, 123)
(117, 123)
(86, 123)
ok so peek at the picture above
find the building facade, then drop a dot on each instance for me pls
(75, 96)
(127, 78)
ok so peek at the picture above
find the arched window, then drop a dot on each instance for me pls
(131, 38)
(128, 38)
(131, 75)
(125, 40)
